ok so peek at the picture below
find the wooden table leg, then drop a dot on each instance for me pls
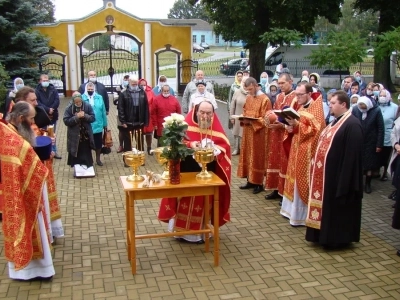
(133, 233)
(206, 222)
(128, 219)
(216, 226)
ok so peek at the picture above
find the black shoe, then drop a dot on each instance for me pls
(392, 195)
(148, 152)
(56, 156)
(99, 163)
(384, 178)
(258, 189)
(273, 195)
(398, 252)
(367, 187)
(280, 202)
(246, 186)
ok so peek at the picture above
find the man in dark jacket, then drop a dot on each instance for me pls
(47, 97)
(99, 87)
(133, 113)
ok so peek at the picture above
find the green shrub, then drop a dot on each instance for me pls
(221, 91)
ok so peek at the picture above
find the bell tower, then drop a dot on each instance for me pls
(106, 1)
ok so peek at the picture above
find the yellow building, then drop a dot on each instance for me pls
(72, 60)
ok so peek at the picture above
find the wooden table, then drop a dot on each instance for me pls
(189, 186)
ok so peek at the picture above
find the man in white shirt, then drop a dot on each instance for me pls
(191, 89)
(200, 95)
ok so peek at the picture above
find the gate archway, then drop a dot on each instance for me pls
(53, 64)
(167, 63)
(111, 56)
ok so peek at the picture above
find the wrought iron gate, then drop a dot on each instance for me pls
(110, 62)
(53, 64)
(186, 71)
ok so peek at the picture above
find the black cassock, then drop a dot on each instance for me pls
(343, 188)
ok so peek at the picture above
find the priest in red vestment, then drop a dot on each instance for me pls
(336, 186)
(253, 146)
(276, 158)
(306, 131)
(188, 212)
(23, 177)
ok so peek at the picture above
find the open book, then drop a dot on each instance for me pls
(287, 113)
(82, 171)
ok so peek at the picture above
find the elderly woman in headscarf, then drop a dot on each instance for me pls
(354, 100)
(315, 83)
(272, 92)
(96, 102)
(371, 120)
(161, 81)
(234, 87)
(77, 117)
(18, 84)
(389, 111)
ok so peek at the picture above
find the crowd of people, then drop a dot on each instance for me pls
(308, 147)
(322, 149)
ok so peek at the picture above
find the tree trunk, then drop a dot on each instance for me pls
(382, 68)
(257, 59)
(382, 74)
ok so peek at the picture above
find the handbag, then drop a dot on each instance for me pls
(107, 138)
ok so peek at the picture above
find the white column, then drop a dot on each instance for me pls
(73, 66)
(147, 54)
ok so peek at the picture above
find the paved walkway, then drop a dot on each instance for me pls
(262, 256)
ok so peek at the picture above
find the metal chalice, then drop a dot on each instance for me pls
(134, 159)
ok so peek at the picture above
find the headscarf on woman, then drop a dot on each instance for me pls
(365, 100)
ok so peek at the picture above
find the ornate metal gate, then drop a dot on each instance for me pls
(186, 71)
(111, 60)
(53, 64)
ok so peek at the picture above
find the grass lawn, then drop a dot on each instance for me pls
(169, 58)
(210, 68)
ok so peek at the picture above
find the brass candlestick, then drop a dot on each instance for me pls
(134, 159)
(162, 161)
(204, 156)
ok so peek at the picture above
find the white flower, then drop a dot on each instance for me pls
(164, 124)
(168, 120)
(184, 123)
(177, 117)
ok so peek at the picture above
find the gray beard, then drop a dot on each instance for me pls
(205, 124)
(27, 133)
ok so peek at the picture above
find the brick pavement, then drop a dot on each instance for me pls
(262, 257)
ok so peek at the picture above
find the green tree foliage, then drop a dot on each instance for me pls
(182, 9)
(389, 17)
(20, 45)
(46, 8)
(248, 20)
(100, 42)
(388, 42)
(4, 78)
(363, 22)
(339, 50)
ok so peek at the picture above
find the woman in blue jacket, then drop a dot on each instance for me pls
(389, 111)
(100, 123)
